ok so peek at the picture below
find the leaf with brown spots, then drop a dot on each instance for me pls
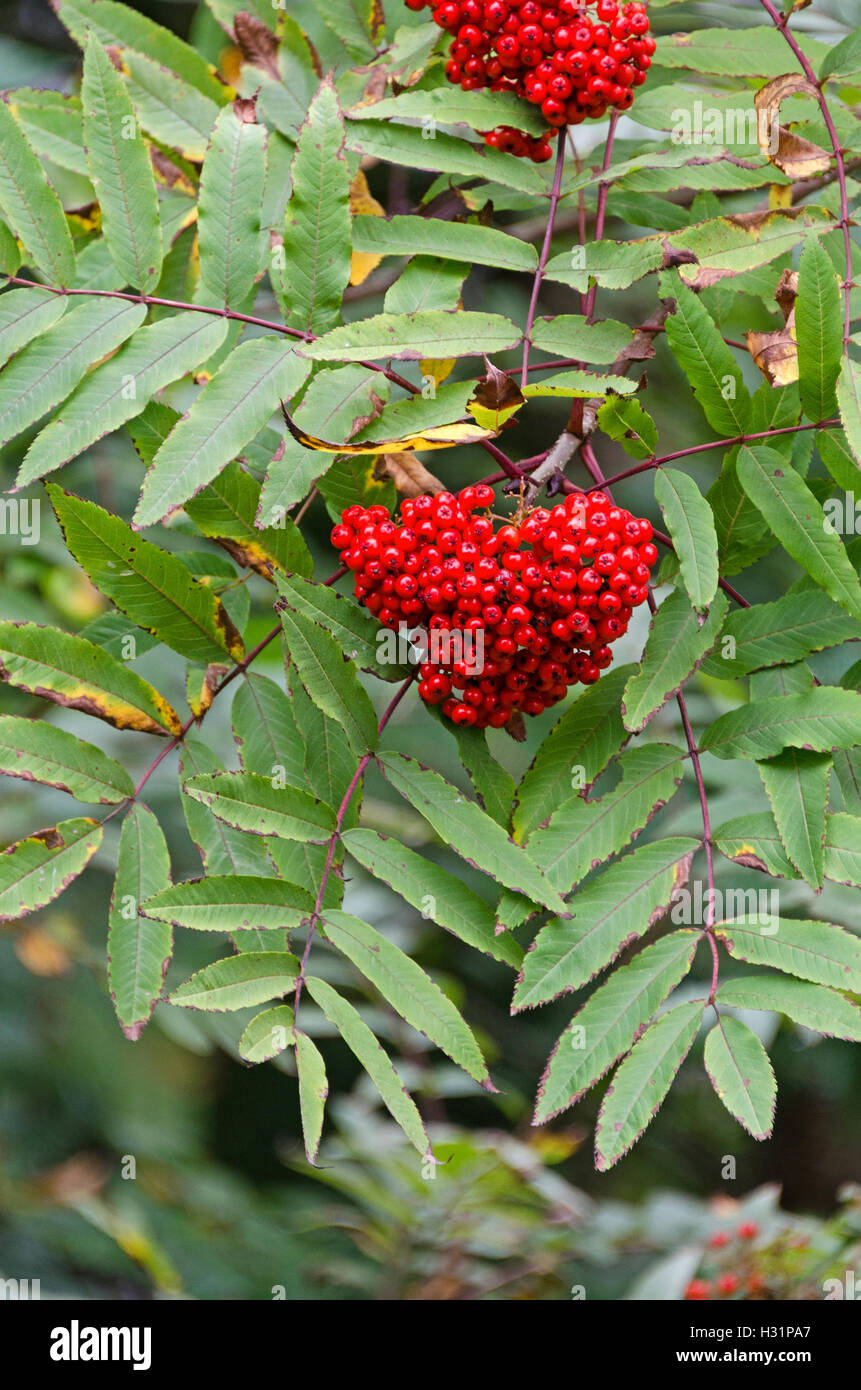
(35, 871)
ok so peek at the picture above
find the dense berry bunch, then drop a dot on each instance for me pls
(571, 63)
(538, 603)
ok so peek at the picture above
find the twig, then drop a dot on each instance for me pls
(545, 253)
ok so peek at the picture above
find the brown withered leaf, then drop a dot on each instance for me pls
(245, 109)
(776, 354)
(787, 293)
(516, 727)
(200, 687)
(495, 398)
(408, 474)
(792, 154)
(168, 173)
(257, 44)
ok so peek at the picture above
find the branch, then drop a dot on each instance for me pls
(510, 469)
(238, 669)
(782, 23)
(720, 444)
(545, 253)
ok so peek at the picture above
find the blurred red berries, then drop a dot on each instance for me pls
(697, 1290)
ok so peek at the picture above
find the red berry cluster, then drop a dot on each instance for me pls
(730, 1281)
(547, 596)
(553, 54)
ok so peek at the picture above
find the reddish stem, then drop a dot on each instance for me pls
(718, 444)
(588, 302)
(505, 463)
(238, 670)
(783, 25)
(545, 252)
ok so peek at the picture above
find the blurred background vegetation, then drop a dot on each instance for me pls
(165, 1167)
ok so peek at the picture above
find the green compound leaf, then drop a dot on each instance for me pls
(678, 641)
(691, 526)
(818, 331)
(363, 1044)
(311, 273)
(627, 422)
(780, 633)
(849, 401)
(410, 337)
(238, 982)
(741, 1074)
(39, 752)
(754, 842)
(410, 992)
(578, 747)
(406, 236)
(120, 388)
(231, 902)
(121, 171)
(34, 871)
(821, 720)
(800, 524)
(231, 409)
(465, 827)
(268, 1034)
(611, 1020)
(50, 366)
(815, 951)
(572, 335)
(24, 314)
(31, 206)
(432, 891)
(231, 194)
(813, 1006)
(313, 1091)
(360, 638)
(330, 680)
(708, 364)
(255, 804)
(796, 783)
(139, 949)
(150, 585)
(584, 833)
(614, 909)
(642, 1081)
(265, 730)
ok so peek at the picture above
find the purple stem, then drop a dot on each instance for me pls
(545, 252)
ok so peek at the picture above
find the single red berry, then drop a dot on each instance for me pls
(748, 1230)
(728, 1283)
(697, 1290)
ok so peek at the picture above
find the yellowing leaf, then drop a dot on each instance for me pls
(362, 201)
(437, 369)
(439, 437)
